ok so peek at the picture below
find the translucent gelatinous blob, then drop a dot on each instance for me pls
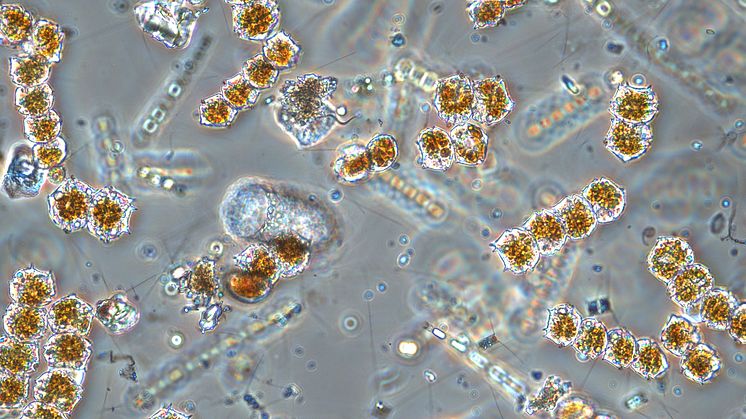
(117, 314)
(170, 22)
(23, 176)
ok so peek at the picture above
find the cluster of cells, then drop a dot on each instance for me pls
(546, 231)
(489, 13)
(253, 20)
(306, 113)
(38, 42)
(261, 265)
(34, 310)
(198, 281)
(632, 108)
(556, 397)
(105, 213)
(356, 162)
(591, 340)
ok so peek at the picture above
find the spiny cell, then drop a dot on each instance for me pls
(47, 40)
(574, 407)
(622, 348)
(259, 258)
(470, 144)
(436, 149)
(42, 128)
(13, 390)
(737, 329)
(353, 164)
(18, 358)
(679, 335)
(255, 20)
(292, 253)
(15, 24)
(117, 314)
(591, 340)
(689, 285)
(517, 250)
(259, 72)
(50, 154)
(282, 51)
(492, 101)
(454, 98)
(29, 70)
(70, 314)
(651, 362)
(239, 93)
(170, 22)
(383, 151)
(577, 215)
(634, 104)
(68, 205)
(607, 198)
(485, 13)
(59, 388)
(546, 398)
(548, 231)
(109, 215)
(563, 324)
(216, 112)
(716, 308)
(248, 286)
(32, 287)
(24, 323)
(628, 141)
(668, 256)
(38, 410)
(67, 350)
(34, 101)
(701, 363)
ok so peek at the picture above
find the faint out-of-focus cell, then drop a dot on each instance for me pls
(634, 104)
(59, 388)
(436, 149)
(259, 72)
(563, 324)
(492, 101)
(621, 349)
(216, 112)
(689, 285)
(282, 51)
(254, 20)
(545, 399)
(50, 154)
(47, 40)
(32, 287)
(70, 314)
(67, 350)
(15, 24)
(23, 176)
(239, 93)
(574, 407)
(248, 286)
(13, 390)
(383, 151)
(24, 323)
(29, 70)
(37, 410)
(34, 101)
(170, 22)
(292, 253)
(668, 256)
(454, 98)
(607, 198)
(701, 363)
(109, 214)
(469, 144)
(18, 358)
(717, 307)
(117, 314)
(169, 413)
(517, 250)
(679, 335)
(737, 329)
(591, 340)
(353, 164)
(43, 128)
(577, 215)
(627, 141)
(548, 231)
(485, 13)
(68, 205)
(651, 362)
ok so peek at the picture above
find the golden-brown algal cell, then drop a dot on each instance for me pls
(51, 154)
(37, 410)
(259, 72)
(563, 324)
(255, 20)
(737, 329)
(32, 287)
(689, 285)
(15, 24)
(717, 307)
(607, 198)
(293, 253)
(13, 391)
(29, 70)
(383, 151)
(668, 256)
(574, 407)
(58, 388)
(577, 215)
(621, 349)
(203, 278)
(109, 214)
(548, 231)
(651, 362)
(485, 13)
(353, 165)
(627, 141)
(239, 93)
(436, 149)
(260, 259)
(35, 100)
(24, 323)
(591, 340)
(70, 314)
(454, 98)
(18, 358)
(248, 286)
(282, 51)
(517, 250)
(634, 104)
(67, 350)
(679, 335)
(216, 112)
(47, 40)
(68, 205)
(701, 364)
(43, 128)
(470, 144)
(492, 101)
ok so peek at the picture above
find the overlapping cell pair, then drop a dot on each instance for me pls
(357, 163)
(691, 287)
(633, 109)
(489, 13)
(34, 310)
(699, 361)
(557, 398)
(262, 264)
(39, 43)
(591, 339)
(546, 231)
(105, 213)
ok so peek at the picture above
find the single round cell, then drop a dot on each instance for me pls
(574, 407)
(591, 340)
(248, 286)
(255, 20)
(282, 51)
(239, 93)
(563, 324)
(117, 314)
(43, 128)
(260, 259)
(15, 24)
(216, 112)
(18, 358)
(436, 149)
(485, 13)
(651, 362)
(35, 100)
(492, 101)
(626, 141)
(577, 215)
(737, 329)
(259, 72)
(70, 314)
(621, 349)
(59, 388)
(607, 198)
(353, 165)
(292, 252)
(50, 154)
(517, 250)
(454, 98)
(716, 308)
(29, 70)
(701, 363)
(13, 391)
(69, 203)
(383, 151)
(32, 287)
(689, 285)
(668, 256)
(470, 144)
(679, 335)
(548, 231)
(634, 104)
(47, 40)
(38, 410)
(24, 323)
(202, 278)
(68, 350)
(109, 214)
